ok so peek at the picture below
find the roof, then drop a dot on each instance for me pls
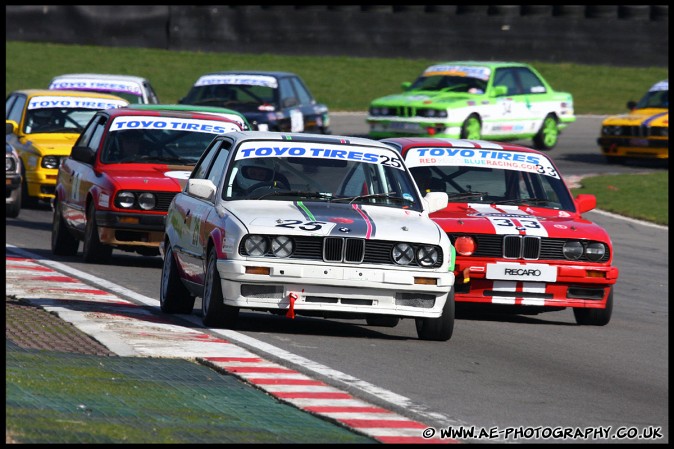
(156, 112)
(275, 74)
(307, 137)
(102, 76)
(67, 93)
(458, 143)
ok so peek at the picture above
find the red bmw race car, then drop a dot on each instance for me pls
(114, 189)
(521, 241)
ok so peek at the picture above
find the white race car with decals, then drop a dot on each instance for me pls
(294, 223)
(522, 243)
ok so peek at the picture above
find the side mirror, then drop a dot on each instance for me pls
(405, 85)
(499, 91)
(201, 188)
(585, 202)
(83, 154)
(631, 105)
(181, 101)
(10, 126)
(436, 201)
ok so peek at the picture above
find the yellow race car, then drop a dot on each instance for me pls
(42, 125)
(641, 133)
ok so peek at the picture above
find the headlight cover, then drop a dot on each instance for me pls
(126, 199)
(50, 162)
(427, 256)
(573, 250)
(403, 254)
(256, 245)
(147, 201)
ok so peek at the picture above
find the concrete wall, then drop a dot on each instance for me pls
(620, 35)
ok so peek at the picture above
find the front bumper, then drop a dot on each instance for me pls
(584, 286)
(127, 229)
(328, 290)
(634, 147)
(41, 183)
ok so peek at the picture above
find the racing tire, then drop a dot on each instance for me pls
(63, 243)
(471, 128)
(441, 328)
(173, 295)
(595, 317)
(214, 312)
(547, 137)
(382, 320)
(93, 250)
(12, 210)
(27, 200)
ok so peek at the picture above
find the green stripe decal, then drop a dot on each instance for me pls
(301, 205)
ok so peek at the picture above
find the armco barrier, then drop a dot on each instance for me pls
(619, 35)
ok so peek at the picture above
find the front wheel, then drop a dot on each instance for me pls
(62, 242)
(471, 128)
(546, 138)
(441, 328)
(93, 250)
(213, 309)
(595, 317)
(173, 295)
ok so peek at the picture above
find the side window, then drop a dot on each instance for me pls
(217, 170)
(302, 92)
(506, 77)
(531, 84)
(16, 109)
(97, 134)
(85, 137)
(201, 168)
(8, 104)
(151, 94)
(287, 93)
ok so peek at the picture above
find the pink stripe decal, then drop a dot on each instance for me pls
(368, 233)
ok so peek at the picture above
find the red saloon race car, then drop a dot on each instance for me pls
(115, 188)
(521, 241)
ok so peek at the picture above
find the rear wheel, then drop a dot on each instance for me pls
(472, 128)
(93, 250)
(546, 138)
(213, 309)
(173, 295)
(595, 317)
(62, 242)
(441, 328)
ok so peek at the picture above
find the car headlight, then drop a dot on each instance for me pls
(427, 256)
(10, 164)
(256, 245)
(465, 245)
(50, 162)
(403, 254)
(595, 251)
(611, 130)
(282, 246)
(126, 199)
(573, 250)
(147, 201)
(431, 113)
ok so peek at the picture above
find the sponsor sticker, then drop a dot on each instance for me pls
(481, 157)
(357, 154)
(518, 272)
(250, 80)
(173, 124)
(94, 84)
(458, 70)
(47, 102)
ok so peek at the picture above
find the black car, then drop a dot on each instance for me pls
(271, 101)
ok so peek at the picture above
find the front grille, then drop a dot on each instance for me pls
(523, 247)
(343, 250)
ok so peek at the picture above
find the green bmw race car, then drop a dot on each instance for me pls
(475, 100)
